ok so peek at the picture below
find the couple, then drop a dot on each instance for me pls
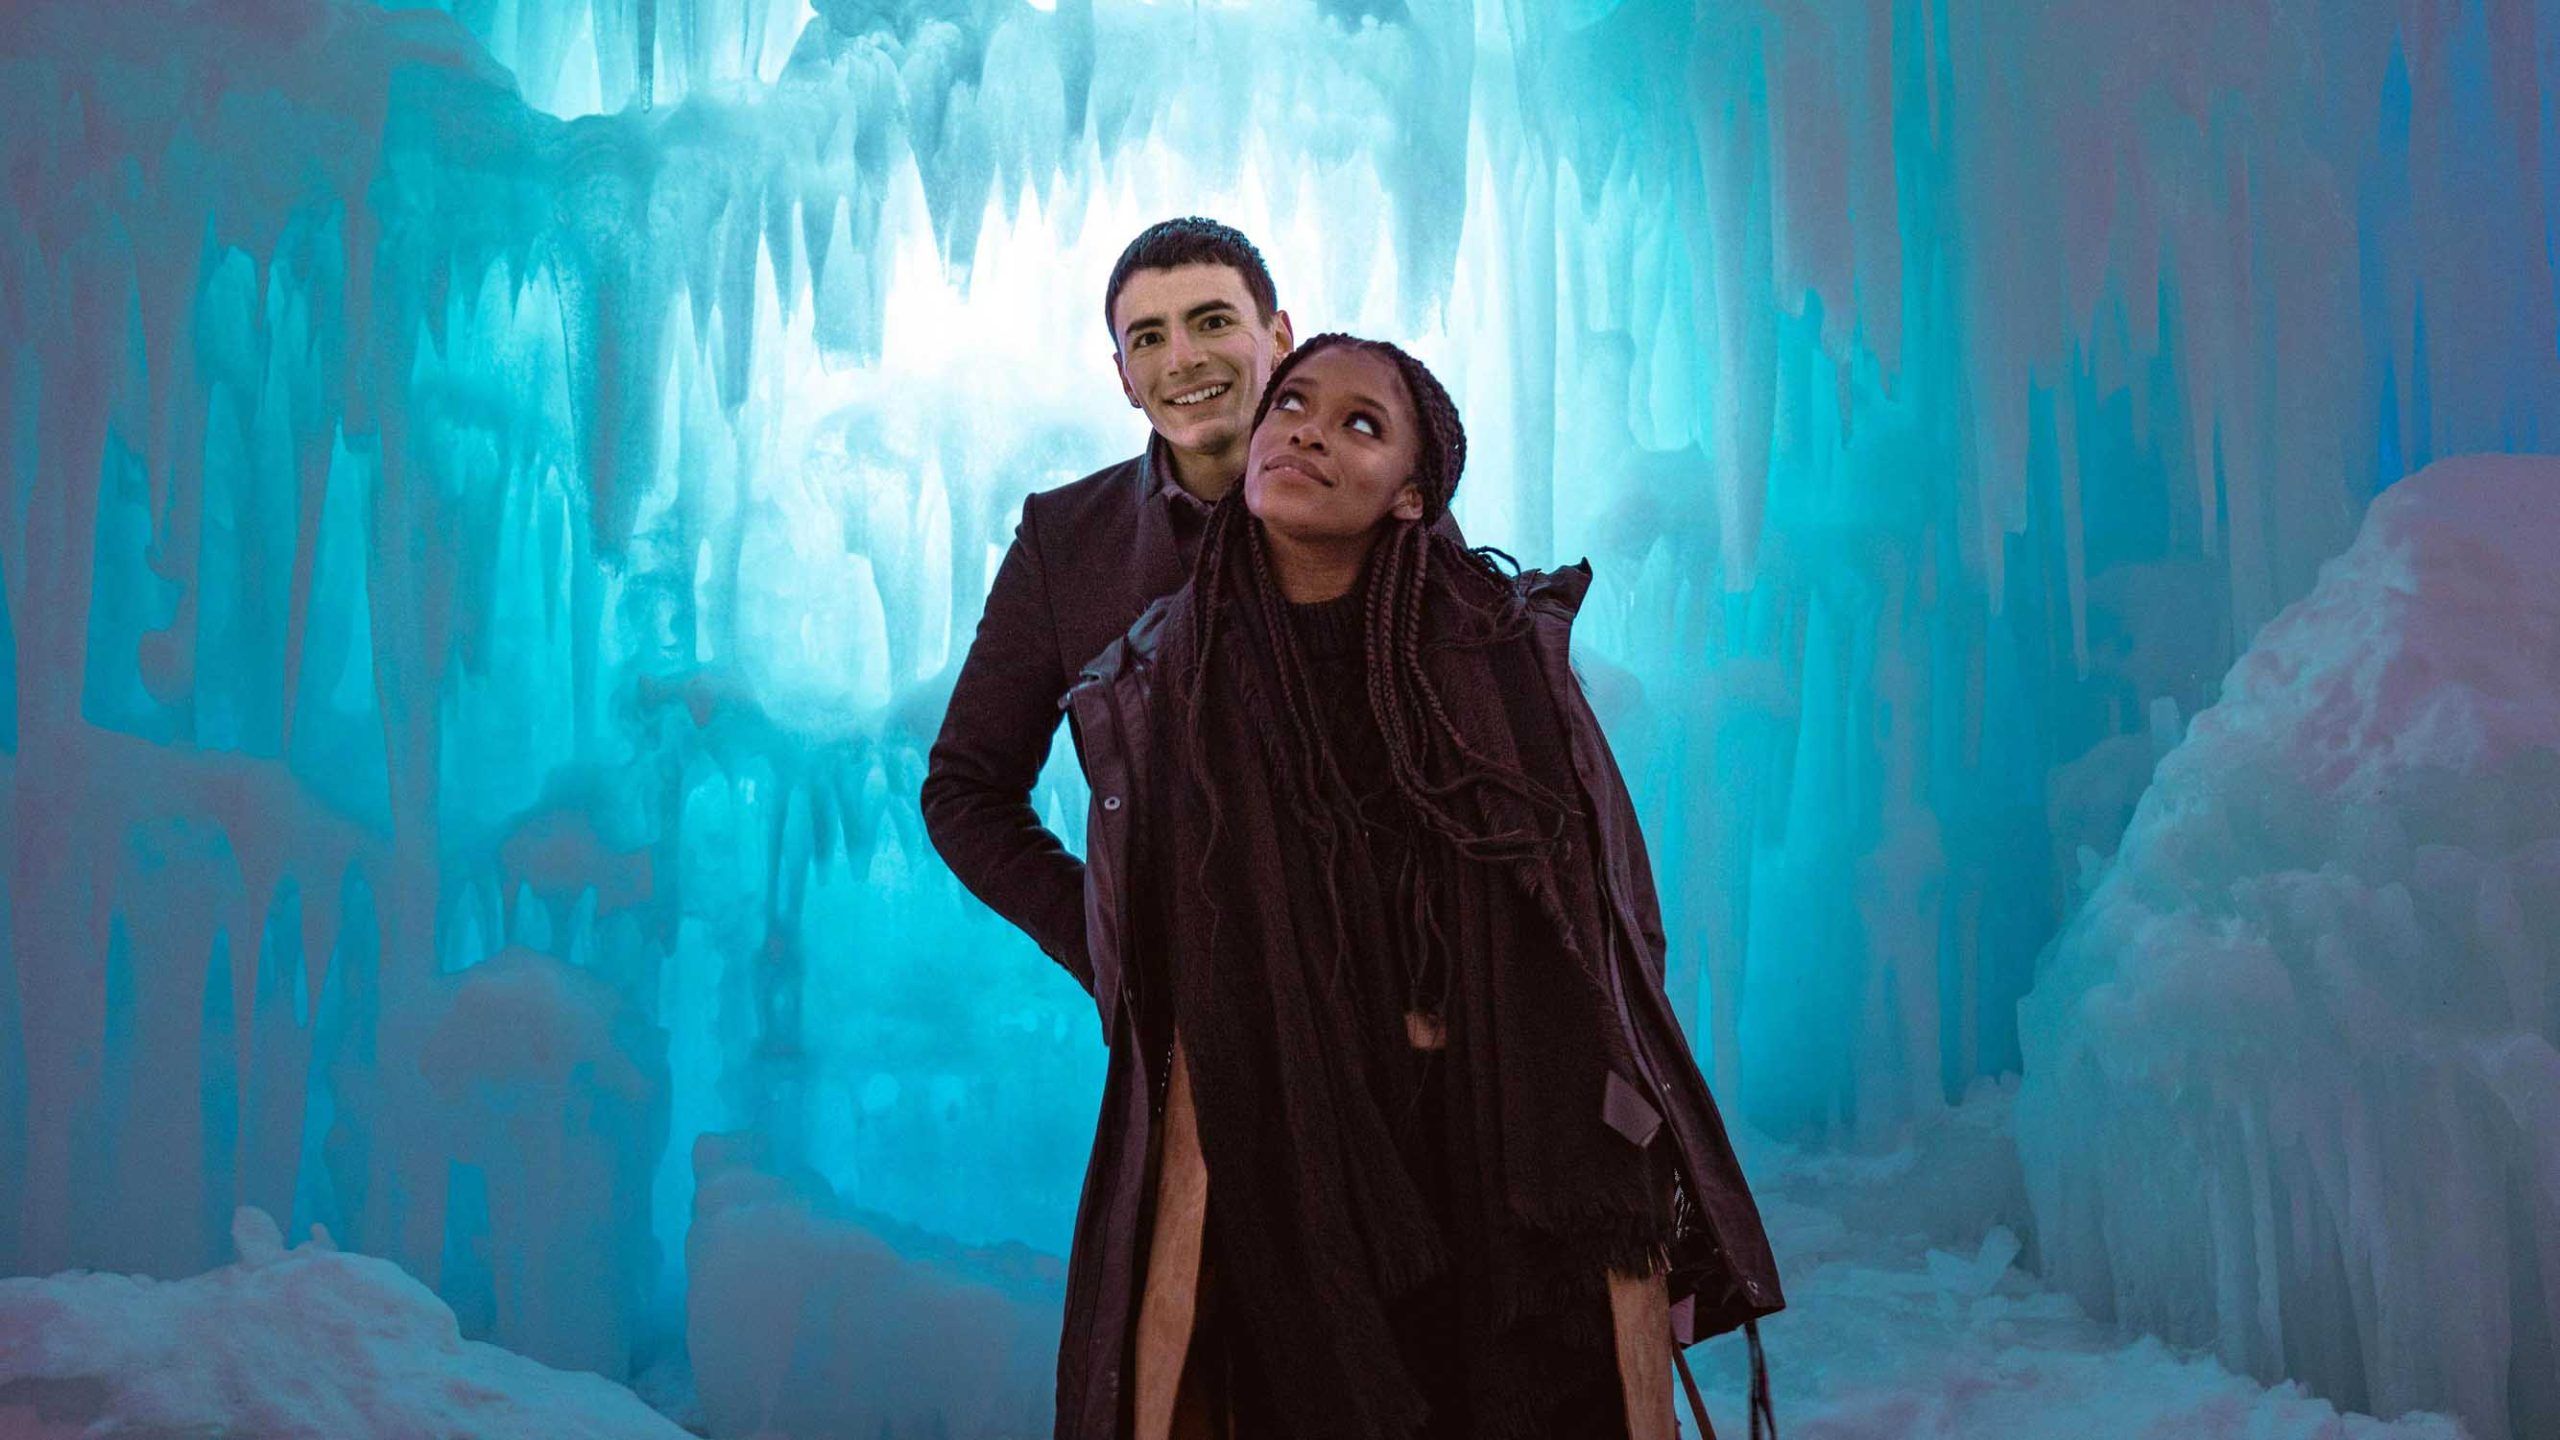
(1400, 1136)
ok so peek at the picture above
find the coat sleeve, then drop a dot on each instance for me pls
(1629, 857)
(995, 737)
(1560, 595)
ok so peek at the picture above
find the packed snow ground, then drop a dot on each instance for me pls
(1908, 1319)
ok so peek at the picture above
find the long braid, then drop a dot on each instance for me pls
(1209, 597)
(1318, 776)
(1307, 763)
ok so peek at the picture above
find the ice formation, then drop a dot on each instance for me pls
(2291, 1086)
(549, 1096)
(807, 1318)
(515, 479)
(310, 1343)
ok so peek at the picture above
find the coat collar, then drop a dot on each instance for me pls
(1156, 563)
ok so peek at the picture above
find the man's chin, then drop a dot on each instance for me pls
(1200, 435)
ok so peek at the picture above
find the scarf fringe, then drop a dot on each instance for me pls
(1552, 1290)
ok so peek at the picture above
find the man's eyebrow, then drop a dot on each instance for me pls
(1208, 307)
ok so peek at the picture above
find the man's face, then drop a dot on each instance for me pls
(1194, 354)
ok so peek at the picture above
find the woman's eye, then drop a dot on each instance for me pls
(1287, 400)
(1365, 426)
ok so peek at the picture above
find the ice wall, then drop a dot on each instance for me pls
(2293, 1073)
(520, 478)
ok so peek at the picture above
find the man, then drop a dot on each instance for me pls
(1195, 329)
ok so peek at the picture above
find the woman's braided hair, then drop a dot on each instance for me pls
(1450, 786)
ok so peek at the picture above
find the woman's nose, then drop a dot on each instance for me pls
(1308, 435)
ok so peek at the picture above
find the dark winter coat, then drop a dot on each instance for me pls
(1086, 559)
(1722, 1273)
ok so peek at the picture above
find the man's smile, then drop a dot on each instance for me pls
(1204, 393)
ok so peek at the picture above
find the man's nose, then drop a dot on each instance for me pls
(1180, 353)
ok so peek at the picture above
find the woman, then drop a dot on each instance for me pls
(1401, 1136)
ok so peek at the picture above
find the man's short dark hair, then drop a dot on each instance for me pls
(1191, 240)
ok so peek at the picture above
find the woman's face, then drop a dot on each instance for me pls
(1335, 455)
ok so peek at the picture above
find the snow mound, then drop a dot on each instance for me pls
(2291, 1080)
(308, 1342)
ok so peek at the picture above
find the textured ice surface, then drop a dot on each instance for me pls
(2291, 1084)
(304, 1344)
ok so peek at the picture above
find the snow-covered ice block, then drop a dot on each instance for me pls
(284, 1344)
(807, 1319)
(2291, 1080)
(550, 1090)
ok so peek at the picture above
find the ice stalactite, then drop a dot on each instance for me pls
(588, 56)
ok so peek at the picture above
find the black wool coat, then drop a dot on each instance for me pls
(1086, 559)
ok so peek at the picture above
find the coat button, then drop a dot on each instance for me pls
(1110, 802)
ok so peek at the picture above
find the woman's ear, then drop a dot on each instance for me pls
(1408, 504)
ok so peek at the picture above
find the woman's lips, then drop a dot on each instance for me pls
(1295, 466)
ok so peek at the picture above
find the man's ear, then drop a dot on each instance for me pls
(1283, 339)
(1408, 504)
(1120, 367)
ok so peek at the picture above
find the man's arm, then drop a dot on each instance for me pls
(995, 737)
